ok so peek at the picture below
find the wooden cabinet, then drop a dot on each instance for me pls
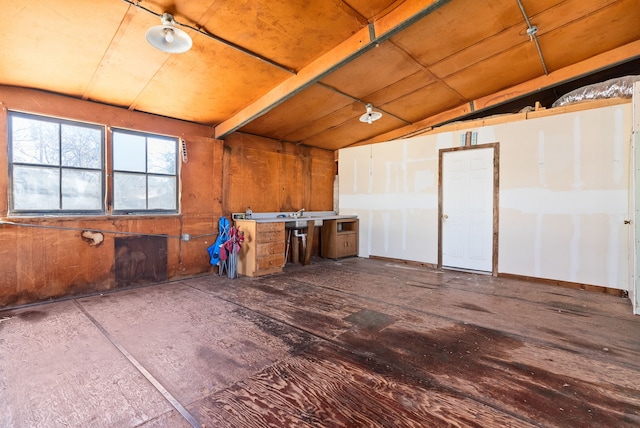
(263, 250)
(339, 238)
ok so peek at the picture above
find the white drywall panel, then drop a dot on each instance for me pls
(562, 203)
(354, 172)
(564, 197)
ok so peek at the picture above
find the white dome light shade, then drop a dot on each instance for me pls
(370, 116)
(167, 37)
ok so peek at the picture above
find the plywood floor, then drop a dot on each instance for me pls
(353, 343)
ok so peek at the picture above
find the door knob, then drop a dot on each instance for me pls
(445, 216)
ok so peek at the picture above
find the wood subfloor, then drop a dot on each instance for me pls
(349, 343)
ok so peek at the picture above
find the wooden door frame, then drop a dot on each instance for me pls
(496, 193)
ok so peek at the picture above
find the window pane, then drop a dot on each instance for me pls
(36, 188)
(162, 193)
(81, 190)
(81, 146)
(129, 191)
(161, 156)
(34, 141)
(129, 152)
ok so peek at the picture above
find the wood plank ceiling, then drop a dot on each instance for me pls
(302, 71)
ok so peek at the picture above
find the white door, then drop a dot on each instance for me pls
(467, 209)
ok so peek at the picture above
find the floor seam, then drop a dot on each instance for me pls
(156, 384)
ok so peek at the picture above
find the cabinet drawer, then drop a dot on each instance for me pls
(269, 249)
(269, 262)
(270, 236)
(270, 227)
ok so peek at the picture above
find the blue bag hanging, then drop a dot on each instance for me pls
(223, 236)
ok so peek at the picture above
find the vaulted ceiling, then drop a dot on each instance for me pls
(303, 70)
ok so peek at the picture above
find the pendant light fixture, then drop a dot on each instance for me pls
(167, 37)
(370, 116)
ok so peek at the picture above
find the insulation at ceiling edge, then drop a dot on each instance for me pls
(620, 87)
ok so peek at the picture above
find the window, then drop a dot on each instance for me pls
(55, 165)
(144, 172)
(58, 166)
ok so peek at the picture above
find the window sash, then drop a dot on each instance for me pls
(57, 166)
(46, 155)
(145, 173)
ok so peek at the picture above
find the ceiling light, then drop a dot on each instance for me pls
(167, 37)
(370, 116)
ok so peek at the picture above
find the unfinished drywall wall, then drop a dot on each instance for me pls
(563, 196)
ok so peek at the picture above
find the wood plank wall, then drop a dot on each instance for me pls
(271, 176)
(220, 177)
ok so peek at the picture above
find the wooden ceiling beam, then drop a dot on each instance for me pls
(404, 15)
(580, 69)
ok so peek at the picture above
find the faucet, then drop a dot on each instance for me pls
(297, 213)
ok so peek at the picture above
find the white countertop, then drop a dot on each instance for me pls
(286, 217)
(315, 218)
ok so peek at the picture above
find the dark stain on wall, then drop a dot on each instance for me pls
(140, 260)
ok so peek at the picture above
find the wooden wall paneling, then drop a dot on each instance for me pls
(289, 193)
(321, 183)
(273, 176)
(67, 263)
(227, 175)
(306, 180)
(4, 165)
(205, 195)
(30, 264)
(260, 173)
(9, 286)
(219, 178)
(199, 177)
(50, 262)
